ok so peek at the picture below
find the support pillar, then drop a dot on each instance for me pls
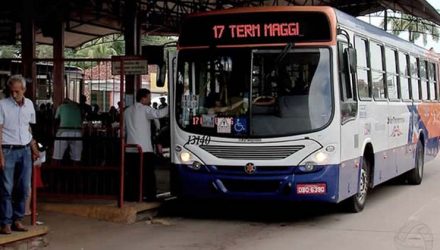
(28, 50)
(58, 65)
(132, 44)
(385, 21)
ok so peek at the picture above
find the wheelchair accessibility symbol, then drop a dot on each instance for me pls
(240, 125)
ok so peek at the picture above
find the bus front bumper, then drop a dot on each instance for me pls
(271, 183)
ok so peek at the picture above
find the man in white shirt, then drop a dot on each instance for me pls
(16, 115)
(138, 131)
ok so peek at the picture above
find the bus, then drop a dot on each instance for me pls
(73, 80)
(298, 103)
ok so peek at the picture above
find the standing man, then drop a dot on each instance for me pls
(138, 127)
(69, 116)
(16, 115)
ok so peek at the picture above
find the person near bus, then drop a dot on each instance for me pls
(138, 119)
(85, 108)
(18, 150)
(69, 116)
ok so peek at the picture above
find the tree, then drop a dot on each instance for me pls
(10, 51)
(416, 28)
(44, 51)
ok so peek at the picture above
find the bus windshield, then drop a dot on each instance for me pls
(254, 93)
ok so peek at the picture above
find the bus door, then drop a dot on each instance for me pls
(348, 181)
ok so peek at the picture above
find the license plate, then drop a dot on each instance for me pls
(312, 188)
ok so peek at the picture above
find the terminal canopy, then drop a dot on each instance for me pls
(86, 20)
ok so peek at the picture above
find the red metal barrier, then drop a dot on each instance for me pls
(34, 196)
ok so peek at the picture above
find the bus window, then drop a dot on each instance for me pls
(405, 81)
(363, 69)
(424, 80)
(348, 101)
(414, 70)
(392, 76)
(302, 99)
(211, 86)
(274, 99)
(377, 71)
(432, 82)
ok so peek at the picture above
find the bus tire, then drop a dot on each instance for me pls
(415, 176)
(356, 203)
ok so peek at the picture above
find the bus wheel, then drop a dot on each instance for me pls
(415, 175)
(356, 203)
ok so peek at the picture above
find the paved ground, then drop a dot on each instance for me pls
(397, 216)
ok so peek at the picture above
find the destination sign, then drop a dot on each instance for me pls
(255, 28)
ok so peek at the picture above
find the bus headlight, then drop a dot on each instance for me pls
(320, 157)
(185, 156)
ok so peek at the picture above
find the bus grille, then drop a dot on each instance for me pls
(252, 152)
(261, 170)
(251, 186)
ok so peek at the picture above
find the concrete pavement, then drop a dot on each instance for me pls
(397, 216)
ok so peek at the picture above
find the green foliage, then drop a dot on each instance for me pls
(10, 51)
(416, 28)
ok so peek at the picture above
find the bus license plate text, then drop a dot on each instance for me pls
(315, 188)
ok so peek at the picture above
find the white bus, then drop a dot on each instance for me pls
(298, 103)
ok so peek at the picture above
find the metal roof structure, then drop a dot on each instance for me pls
(89, 19)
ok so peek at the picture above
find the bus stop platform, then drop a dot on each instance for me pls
(107, 209)
(32, 239)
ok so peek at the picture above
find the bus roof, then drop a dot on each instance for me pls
(378, 34)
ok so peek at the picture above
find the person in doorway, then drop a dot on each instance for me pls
(69, 116)
(163, 103)
(85, 108)
(138, 119)
(18, 149)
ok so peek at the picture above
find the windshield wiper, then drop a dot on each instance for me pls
(283, 54)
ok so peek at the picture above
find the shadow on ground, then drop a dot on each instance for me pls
(253, 211)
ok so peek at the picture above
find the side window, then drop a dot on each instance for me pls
(377, 70)
(414, 70)
(392, 75)
(348, 93)
(424, 80)
(405, 80)
(363, 69)
(432, 78)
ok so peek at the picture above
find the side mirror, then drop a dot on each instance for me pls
(161, 75)
(155, 55)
